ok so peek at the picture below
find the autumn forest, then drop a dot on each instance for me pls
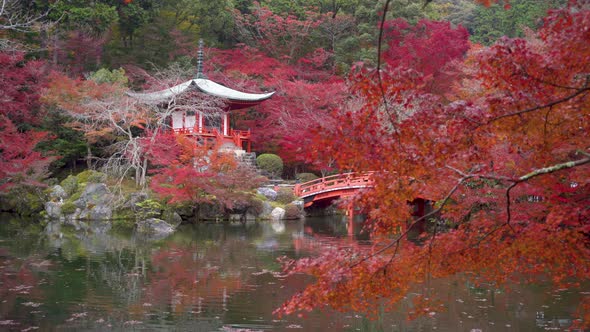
(479, 107)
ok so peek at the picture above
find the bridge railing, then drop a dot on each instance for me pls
(344, 180)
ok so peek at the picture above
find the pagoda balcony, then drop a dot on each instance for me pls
(214, 137)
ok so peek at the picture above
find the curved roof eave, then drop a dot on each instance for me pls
(158, 96)
(206, 86)
(209, 87)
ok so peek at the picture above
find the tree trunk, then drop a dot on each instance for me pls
(143, 180)
(137, 176)
(88, 157)
(55, 48)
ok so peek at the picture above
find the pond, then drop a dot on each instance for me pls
(217, 278)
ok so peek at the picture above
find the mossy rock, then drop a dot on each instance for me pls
(70, 184)
(68, 207)
(90, 176)
(148, 208)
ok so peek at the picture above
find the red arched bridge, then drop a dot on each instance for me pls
(329, 188)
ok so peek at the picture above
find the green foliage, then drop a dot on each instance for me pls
(68, 207)
(285, 195)
(75, 196)
(271, 164)
(148, 208)
(306, 177)
(132, 17)
(496, 21)
(104, 75)
(24, 200)
(96, 18)
(70, 184)
(412, 10)
(91, 176)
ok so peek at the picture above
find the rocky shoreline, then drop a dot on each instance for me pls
(87, 197)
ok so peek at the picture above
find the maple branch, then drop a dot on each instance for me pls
(554, 168)
(536, 108)
(379, 42)
(508, 213)
(550, 83)
(524, 178)
(414, 223)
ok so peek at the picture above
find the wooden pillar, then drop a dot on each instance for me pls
(200, 122)
(249, 141)
(350, 214)
(226, 124)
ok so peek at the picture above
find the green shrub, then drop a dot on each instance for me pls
(24, 200)
(306, 177)
(70, 184)
(149, 208)
(271, 164)
(285, 195)
(292, 211)
(90, 176)
(104, 75)
(68, 208)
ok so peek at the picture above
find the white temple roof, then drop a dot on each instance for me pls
(218, 90)
(206, 86)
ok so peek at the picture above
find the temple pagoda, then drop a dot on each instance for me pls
(212, 129)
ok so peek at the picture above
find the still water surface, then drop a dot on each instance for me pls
(217, 278)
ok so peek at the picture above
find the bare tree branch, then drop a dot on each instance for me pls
(548, 105)
(14, 17)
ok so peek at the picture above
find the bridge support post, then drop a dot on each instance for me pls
(350, 214)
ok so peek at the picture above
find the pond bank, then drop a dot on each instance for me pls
(87, 196)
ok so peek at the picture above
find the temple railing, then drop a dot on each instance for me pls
(205, 131)
(238, 137)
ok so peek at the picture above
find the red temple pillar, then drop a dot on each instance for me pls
(200, 122)
(226, 124)
(350, 214)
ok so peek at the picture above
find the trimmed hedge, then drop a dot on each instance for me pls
(306, 177)
(271, 164)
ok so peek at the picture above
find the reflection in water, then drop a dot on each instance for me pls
(218, 278)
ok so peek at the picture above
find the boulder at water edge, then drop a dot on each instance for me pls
(154, 226)
(57, 193)
(53, 209)
(277, 214)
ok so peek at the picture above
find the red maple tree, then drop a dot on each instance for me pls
(505, 163)
(20, 84)
(429, 47)
(306, 96)
(186, 173)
